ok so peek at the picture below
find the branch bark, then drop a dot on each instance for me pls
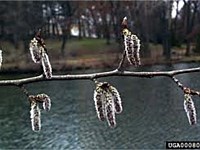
(91, 76)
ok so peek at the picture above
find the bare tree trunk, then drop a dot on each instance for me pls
(2, 28)
(64, 40)
(79, 28)
(106, 29)
(167, 30)
(116, 20)
(190, 19)
(96, 25)
(187, 27)
(57, 30)
(53, 27)
(48, 27)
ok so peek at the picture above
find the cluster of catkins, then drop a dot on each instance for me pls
(190, 109)
(131, 45)
(35, 113)
(39, 55)
(107, 102)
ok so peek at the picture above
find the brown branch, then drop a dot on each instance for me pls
(91, 76)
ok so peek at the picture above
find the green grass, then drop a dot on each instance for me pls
(83, 47)
(90, 44)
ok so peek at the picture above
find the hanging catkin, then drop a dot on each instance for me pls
(35, 116)
(190, 109)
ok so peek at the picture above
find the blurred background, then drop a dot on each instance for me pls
(87, 34)
(85, 37)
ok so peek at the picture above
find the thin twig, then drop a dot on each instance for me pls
(25, 91)
(122, 61)
(97, 75)
(185, 89)
(180, 85)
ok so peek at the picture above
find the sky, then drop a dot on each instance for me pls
(181, 3)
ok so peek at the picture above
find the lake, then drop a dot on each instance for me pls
(152, 114)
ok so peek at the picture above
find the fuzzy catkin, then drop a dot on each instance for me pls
(132, 47)
(99, 103)
(128, 45)
(35, 116)
(110, 111)
(46, 66)
(1, 58)
(35, 50)
(42, 98)
(136, 49)
(116, 99)
(190, 109)
(107, 102)
(46, 101)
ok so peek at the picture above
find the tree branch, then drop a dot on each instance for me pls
(91, 76)
(185, 89)
(122, 61)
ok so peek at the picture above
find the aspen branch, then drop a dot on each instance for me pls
(91, 76)
(185, 89)
(122, 61)
(25, 91)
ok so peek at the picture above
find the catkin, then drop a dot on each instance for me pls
(128, 45)
(35, 50)
(131, 45)
(136, 49)
(99, 99)
(46, 66)
(35, 116)
(42, 98)
(46, 101)
(190, 109)
(116, 99)
(107, 102)
(1, 58)
(110, 111)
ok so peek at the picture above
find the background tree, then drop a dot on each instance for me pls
(152, 20)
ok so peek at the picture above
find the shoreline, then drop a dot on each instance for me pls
(68, 66)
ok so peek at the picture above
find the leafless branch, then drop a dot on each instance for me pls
(25, 91)
(91, 76)
(185, 89)
(122, 61)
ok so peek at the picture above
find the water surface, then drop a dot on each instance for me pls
(153, 114)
